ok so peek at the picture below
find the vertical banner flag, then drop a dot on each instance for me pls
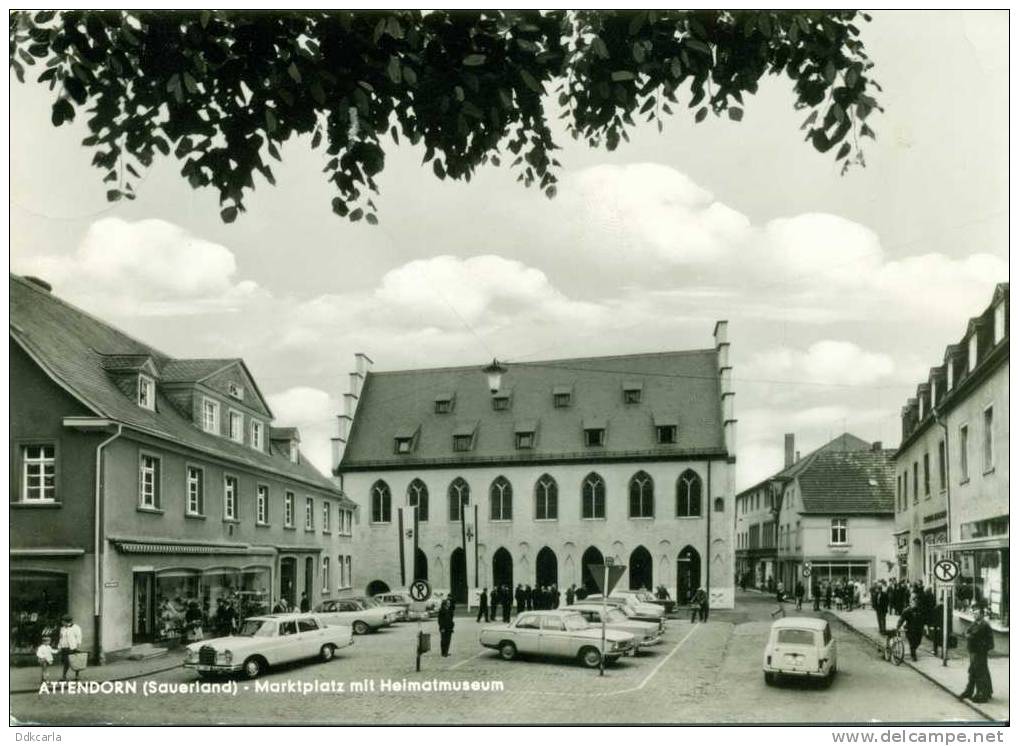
(407, 523)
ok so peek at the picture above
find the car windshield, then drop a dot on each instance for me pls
(615, 615)
(369, 602)
(257, 628)
(575, 622)
(796, 636)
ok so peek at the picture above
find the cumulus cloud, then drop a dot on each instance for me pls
(146, 267)
(313, 412)
(827, 361)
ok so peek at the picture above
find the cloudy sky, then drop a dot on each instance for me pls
(841, 292)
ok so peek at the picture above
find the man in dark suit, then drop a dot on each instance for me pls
(979, 642)
(521, 600)
(305, 603)
(445, 626)
(815, 592)
(914, 619)
(879, 600)
(483, 604)
(571, 595)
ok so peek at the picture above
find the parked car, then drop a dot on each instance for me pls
(361, 618)
(640, 611)
(558, 633)
(399, 612)
(264, 641)
(645, 634)
(405, 602)
(802, 647)
(647, 597)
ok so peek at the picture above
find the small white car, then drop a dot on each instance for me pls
(264, 641)
(361, 618)
(403, 600)
(800, 647)
(559, 633)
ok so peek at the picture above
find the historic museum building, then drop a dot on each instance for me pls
(560, 465)
(952, 467)
(147, 490)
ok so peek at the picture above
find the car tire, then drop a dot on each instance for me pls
(769, 678)
(507, 650)
(206, 675)
(361, 628)
(590, 657)
(327, 652)
(253, 667)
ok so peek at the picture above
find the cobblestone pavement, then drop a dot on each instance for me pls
(704, 673)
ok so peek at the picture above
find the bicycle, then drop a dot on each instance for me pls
(894, 649)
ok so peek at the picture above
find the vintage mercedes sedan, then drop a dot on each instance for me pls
(355, 614)
(640, 611)
(559, 633)
(264, 641)
(645, 634)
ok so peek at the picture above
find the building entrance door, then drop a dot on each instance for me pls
(458, 575)
(688, 574)
(288, 580)
(144, 608)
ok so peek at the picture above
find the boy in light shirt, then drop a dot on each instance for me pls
(44, 654)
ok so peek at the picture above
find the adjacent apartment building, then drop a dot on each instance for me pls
(143, 484)
(830, 511)
(567, 463)
(952, 467)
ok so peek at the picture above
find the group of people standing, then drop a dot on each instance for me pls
(526, 598)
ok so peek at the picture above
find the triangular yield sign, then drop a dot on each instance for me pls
(598, 573)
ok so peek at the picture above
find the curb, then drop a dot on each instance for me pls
(923, 673)
(35, 689)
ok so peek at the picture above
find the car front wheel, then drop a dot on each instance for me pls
(327, 652)
(361, 628)
(507, 651)
(253, 667)
(590, 657)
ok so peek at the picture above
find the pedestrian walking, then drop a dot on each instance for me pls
(979, 642)
(445, 626)
(571, 595)
(815, 594)
(780, 591)
(879, 600)
(800, 592)
(827, 595)
(699, 606)
(913, 618)
(44, 654)
(305, 603)
(483, 604)
(68, 643)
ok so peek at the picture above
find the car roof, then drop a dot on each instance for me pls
(284, 616)
(800, 622)
(549, 612)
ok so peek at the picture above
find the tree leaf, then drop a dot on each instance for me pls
(530, 82)
(356, 215)
(228, 214)
(294, 72)
(701, 114)
(621, 75)
(473, 60)
(372, 218)
(843, 151)
(735, 113)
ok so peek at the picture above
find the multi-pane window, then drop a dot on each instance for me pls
(642, 496)
(196, 491)
(500, 403)
(236, 426)
(327, 511)
(462, 442)
(149, 482)
(443, 406)
(230, 498)
(262, 505)
(839, 533)
(325, 574)
(210, 416)
(688, 494)
(631, 396)
(546, 499)
(403, 445)
(916, 482)
(592, 497)
(417, 495)
(594, 436)
(988, 439)
(525, 440)
(346, 522)
(38, 473)
(999, 322)
(941, 465)
(288, 509)
(459, 495)
(235, 390)
(257, 435)
(501, 500)
(146, 392)
(295, 452)
(561, 399)
(381, 502)
(666, 434)
(964, 453)
(309, 514)
(972, 352)
(927, 475)
(349, 579)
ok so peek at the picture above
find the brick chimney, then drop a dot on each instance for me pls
(362, 366)
(790, 449)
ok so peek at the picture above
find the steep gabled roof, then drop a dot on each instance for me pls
(849, 482)
(195, 369)
(683, 386)
(844, 442)
(75, 348)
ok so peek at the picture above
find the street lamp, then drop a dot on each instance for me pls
(494, 373)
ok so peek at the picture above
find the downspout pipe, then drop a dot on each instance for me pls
(100, 534)
(707, 544)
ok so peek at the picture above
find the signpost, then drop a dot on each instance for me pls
(945, 571)
(420, 591)
(605, 577)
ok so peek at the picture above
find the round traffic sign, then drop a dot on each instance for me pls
(420, 590)
(806, 571)
(945, 570)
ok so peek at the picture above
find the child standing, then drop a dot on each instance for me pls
(44, 654)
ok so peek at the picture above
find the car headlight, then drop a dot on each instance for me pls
(191, 656)
(226, 656)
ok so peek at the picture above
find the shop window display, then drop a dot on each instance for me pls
(176, 591)
(38, 600)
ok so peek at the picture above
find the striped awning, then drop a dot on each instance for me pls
(147, 547)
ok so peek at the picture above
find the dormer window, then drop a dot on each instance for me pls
(972, 353)
(210, 416)
(236, 391)
(934, 392)
(949, 374)
(404, 445)
(295, 453)
(403, 439)
(562, 396)
(632, 391)
(999, 322)
(594, 433)
(257, 435)
(236, 426)
(146, 392)
(463, 436)
(524, 433)
(501, 402)
(665, 434)
(462, 442)
(524, 440)
(444, 404)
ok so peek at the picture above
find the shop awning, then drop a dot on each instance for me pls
(991, 542)
(148, 546)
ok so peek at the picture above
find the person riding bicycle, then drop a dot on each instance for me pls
(914, 619)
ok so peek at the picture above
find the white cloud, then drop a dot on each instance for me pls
(148, 268)
(313, 412)
(827, 361)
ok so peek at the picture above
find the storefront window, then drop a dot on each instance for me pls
(983, 579)
(176, 590)
(38, 600)
(254, 593)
